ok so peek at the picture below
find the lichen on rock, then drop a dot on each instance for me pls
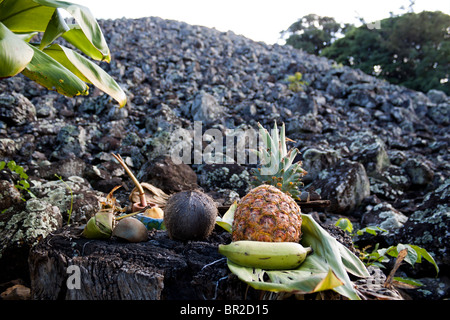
(27, 225)
(74, 191)
(346, 185)
(429, 225)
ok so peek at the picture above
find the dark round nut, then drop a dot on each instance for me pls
(190, 215)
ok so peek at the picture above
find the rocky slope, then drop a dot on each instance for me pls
(379, 152)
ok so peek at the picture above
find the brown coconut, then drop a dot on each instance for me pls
(190, 215)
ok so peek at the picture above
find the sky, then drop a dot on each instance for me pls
(259, 20)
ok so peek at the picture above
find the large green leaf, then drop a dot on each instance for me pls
(312, 276)
(15, 54)
(87, 71)
(55, 28)
(27, 36)
(51, 74)
(25, 15)
(87, 35)
(330, 249)
(77, 37)
(352, 263)
(61, 69)
(42, 15)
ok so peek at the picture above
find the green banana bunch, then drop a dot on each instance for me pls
(265, 255)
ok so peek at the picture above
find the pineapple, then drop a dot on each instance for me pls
(269, 212)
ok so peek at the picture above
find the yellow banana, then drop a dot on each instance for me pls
(265, 255)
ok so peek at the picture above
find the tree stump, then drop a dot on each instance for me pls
(67, 266)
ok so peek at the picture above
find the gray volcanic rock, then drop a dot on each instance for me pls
(316, 160)
(346, 184)
(16, 109)
(206, 109)
(429, 225)
(22, 226)
(418, 171)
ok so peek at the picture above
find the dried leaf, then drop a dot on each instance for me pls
(152, 194)
(110, 199)
(401, 256)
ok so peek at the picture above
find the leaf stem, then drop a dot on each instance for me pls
(129, 215)
(133, 178)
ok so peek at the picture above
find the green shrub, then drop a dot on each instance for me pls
(19, 175)
(379, 257)
(295, 82)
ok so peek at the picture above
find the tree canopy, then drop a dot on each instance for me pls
(412, 49)
(312, 33)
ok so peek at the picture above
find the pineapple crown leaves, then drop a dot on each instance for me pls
(278, 167)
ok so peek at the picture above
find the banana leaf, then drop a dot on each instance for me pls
(337, 256)
(312, 276)
(87, 71)
(15, 54)
(51, 74)
(86, 35)
(66, 71)
(25, 15)
(26, 36)
(55, 28)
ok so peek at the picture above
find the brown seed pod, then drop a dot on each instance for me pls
(131, 229)
(190, 215)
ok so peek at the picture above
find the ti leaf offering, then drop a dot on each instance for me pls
(326, 268)
(269, 214)
(312, 276)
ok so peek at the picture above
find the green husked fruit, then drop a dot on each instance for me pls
(100, 226)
